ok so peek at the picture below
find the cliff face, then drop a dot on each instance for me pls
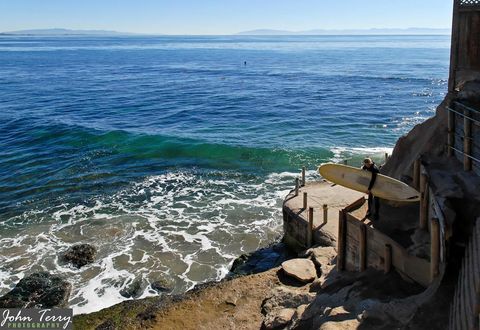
(427, 138)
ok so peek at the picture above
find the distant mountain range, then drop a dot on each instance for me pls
(269, 32)
(65, 32)
(408, 31)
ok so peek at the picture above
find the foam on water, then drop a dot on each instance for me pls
(356, 154)
(184, 226)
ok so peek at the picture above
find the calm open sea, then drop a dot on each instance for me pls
(172, 155)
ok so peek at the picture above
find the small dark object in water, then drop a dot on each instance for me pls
(80, 255)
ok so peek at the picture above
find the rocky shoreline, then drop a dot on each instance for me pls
(282, 297)
(44, 290)
(271, 288)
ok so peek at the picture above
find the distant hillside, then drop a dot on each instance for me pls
(266, 32)
(64, 32)
(409, 31)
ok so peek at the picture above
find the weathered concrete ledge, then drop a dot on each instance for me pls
(299, 231)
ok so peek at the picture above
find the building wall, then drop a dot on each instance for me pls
(465, 59)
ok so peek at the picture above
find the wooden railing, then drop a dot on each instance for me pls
(464, 135)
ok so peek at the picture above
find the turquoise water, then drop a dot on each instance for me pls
(172, 155)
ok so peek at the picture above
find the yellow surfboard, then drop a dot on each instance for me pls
(357, 179)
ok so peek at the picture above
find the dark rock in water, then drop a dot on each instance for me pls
(134, 289)
(161, 286)
(261, 260)
(80, 255)
(40, 290)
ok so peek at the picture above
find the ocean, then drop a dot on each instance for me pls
(172, 154)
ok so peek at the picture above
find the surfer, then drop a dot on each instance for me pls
(369, 165)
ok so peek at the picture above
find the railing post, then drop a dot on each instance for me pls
(467, 141)
(386, 157)
(342, 224)
(297, 185)
(303, 175)
(325, 214)
(424, 201)
(310, 227)
(345, 162)
(416, 173)
(434, 248)
(305, 196)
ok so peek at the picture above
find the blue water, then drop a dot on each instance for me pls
(162, 151)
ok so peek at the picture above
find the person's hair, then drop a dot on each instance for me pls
(367, 161)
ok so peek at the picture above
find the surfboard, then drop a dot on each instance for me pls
(357, 179)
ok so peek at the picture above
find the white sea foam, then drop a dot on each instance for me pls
(346, 153)
(186, 227)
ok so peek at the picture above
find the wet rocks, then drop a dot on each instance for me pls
(80, 255)
(134, 289)
(39, 290)
(161, 286)
(301, 269)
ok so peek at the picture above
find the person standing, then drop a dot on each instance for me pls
(373, 202)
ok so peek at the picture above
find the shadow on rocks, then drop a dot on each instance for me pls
(261, 260)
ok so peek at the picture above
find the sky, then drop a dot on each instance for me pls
(222, 16)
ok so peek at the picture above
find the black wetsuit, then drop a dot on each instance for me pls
(372, 199)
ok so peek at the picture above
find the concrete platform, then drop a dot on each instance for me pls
(319, 193)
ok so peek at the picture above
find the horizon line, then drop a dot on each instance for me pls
(257, 32)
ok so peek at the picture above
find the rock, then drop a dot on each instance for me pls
(278, 319)
(335, 318)
(261, 260)
(231, 300)
(323, 256)
(80, 255)
(38, 290)
(283, 297)
(337, 311)
(317, 285)
(300, 311)
(134, 289)
(342, 325)
(161, 286)
(301, 269)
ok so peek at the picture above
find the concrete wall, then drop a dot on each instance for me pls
(465, 53)
(411, 267)
(295, 230)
